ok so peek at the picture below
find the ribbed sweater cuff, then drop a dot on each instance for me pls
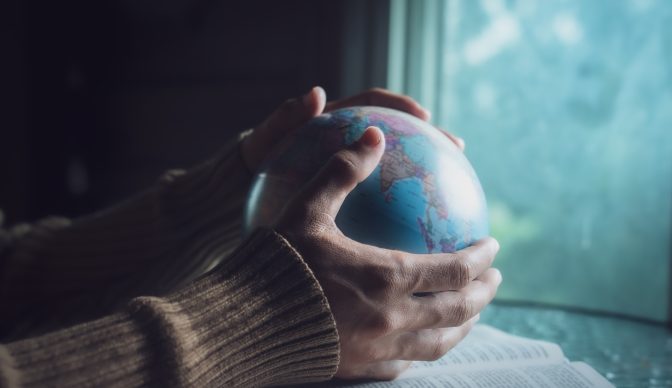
(276, 319)
(260, 318)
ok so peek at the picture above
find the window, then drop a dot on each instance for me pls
(566, 107)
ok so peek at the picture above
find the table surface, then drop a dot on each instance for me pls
(627, 352)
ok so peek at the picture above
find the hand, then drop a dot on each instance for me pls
(297, 111)
(381, 324)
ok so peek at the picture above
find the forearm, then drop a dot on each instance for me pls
(260, 318)
(148, 245)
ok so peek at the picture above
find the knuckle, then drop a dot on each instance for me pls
(401, 270)
(343, 165)
(461, 310)
(399, 259)
(441, 346)
(459, 272)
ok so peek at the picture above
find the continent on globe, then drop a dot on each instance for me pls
(423, 197)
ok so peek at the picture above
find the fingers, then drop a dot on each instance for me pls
(430, 344)
(296, 111)
(447, 271)
(453, 308)
(290, 115)
(384, 98)
(326, 192)
(315, 101)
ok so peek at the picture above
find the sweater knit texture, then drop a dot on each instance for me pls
(162, 290)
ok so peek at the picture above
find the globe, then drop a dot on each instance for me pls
(423, 197)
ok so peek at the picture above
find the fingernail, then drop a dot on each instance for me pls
(370, 138)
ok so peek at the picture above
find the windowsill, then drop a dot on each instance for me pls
(627, 352)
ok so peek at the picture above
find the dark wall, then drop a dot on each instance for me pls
(103, 96)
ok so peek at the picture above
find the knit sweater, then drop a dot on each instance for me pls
(161, 291)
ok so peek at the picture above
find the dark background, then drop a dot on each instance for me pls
(100, 97)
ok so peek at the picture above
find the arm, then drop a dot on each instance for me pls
(249, 307)
(259, 318)
(58, 272)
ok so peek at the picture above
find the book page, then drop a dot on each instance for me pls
(563, 375)
(486, 346)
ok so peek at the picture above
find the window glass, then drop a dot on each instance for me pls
(566, 107)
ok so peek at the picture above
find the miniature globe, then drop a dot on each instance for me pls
(423, 197)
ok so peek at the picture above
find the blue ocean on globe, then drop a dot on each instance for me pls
(423, 197)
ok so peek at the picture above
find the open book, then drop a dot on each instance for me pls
(491, 358)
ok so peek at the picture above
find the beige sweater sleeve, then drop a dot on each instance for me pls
(260, 317)
(58, 272)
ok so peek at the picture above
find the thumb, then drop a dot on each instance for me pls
(296, 111)
(326, 192)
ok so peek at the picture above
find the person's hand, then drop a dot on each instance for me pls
(382, 324)
(297, 111)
